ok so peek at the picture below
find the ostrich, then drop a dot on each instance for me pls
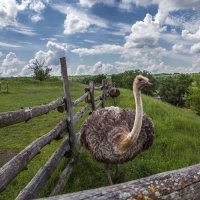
(114, 93)
(114, 135)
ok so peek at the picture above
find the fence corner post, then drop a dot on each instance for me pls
(67, 98)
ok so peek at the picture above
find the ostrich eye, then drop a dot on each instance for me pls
(140, 79)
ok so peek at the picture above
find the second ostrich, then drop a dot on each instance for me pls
(114, 135)
(114, 93)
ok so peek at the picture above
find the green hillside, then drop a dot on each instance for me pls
(176, 143)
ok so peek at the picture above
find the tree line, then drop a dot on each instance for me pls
(181, 90)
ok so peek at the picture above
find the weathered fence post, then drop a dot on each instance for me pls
(104, 91)
(68, 103)
(91, 90)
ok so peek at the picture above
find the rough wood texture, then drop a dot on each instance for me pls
(68, 103)
(79, 114)
(99, 105)
(34, 187)
(91, 89)
(182, 184)
(13, 117)
(63, 178)
(98, 98)
(21, 160)
(80, 99)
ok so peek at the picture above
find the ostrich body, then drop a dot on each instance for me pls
(114, 135)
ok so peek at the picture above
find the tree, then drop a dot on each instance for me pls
(193, 96)
(173, 88)
(40, 70)
(125, 80)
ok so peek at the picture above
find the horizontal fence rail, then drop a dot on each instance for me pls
(80, 99)
(34, 187)
(181, 184)
(18, 163)
(68, 148)
(14, 117)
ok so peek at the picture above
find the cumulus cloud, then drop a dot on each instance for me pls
(8, 12)
(81, 70)
(195, 48)
(97, 68)
(78, 21)
(90, 3)
(187, 35)
(177, 47)
(51, 56)
(143, 33)
(99, 49)
(10, 65)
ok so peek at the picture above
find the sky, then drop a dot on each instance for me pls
(100, 37)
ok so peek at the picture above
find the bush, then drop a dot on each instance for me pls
(173, 88)
(193, 96)
(40, 70)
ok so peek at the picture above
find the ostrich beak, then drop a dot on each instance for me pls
(149, 83)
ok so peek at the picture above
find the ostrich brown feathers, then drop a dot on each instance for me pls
(105, 127)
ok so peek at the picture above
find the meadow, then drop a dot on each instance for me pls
(176, 143)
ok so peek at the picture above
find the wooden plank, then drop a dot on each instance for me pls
(68, 103)
(21, 160)
(36, 184)
(14, 117)
(98, 98)
(80, 99)
(79, 114)
(91, 90)
(181, 184)
(64, 177)
(99, 105)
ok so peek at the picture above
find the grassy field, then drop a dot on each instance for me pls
(176, 142)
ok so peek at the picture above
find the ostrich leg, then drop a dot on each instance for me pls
(117, 174)
(106, 167)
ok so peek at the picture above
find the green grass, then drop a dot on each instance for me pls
(176, 143)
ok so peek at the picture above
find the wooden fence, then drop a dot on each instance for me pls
(178, 184)
(19, 162)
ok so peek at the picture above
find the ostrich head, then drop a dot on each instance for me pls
(140, 82)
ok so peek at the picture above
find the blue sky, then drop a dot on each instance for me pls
(100, 36)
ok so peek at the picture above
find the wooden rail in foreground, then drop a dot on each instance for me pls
(182, 184)
(68, 147)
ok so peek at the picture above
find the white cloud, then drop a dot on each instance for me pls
(36, 18)
(51, 56)
(78, 20)
(144, 33)
(74, 23)
(90, 3)
(37, 6)
(8, 12)
(97, 68)
(187, 35)
(99, 49)
(195, 48)
(81, 70)
(3, 44)
(10, 65)
(177, 47)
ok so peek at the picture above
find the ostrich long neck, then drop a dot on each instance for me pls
(134, 134)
